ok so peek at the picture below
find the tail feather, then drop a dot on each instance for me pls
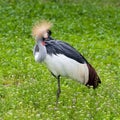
(94, 79)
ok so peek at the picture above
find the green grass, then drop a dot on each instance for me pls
(27, 89)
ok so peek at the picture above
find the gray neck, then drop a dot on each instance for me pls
(39, 51)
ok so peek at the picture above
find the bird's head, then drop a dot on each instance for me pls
(46, 35)
(41, 30)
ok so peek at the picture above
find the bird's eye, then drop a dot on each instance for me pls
(43, 39)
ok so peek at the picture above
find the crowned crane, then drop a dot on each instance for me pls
(61, 58)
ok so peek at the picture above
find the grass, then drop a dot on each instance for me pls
(27, 89)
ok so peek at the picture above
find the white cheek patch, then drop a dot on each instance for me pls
(45, 35)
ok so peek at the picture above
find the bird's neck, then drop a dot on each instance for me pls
(41, 45)
(41, 54)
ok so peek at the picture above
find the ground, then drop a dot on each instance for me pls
(28, 90)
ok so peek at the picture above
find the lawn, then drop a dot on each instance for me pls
(28, 90)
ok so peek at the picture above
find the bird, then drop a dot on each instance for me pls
(61, 58)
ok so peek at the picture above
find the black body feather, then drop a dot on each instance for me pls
(59, 47)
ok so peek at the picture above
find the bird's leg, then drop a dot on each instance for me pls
(59, 89)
